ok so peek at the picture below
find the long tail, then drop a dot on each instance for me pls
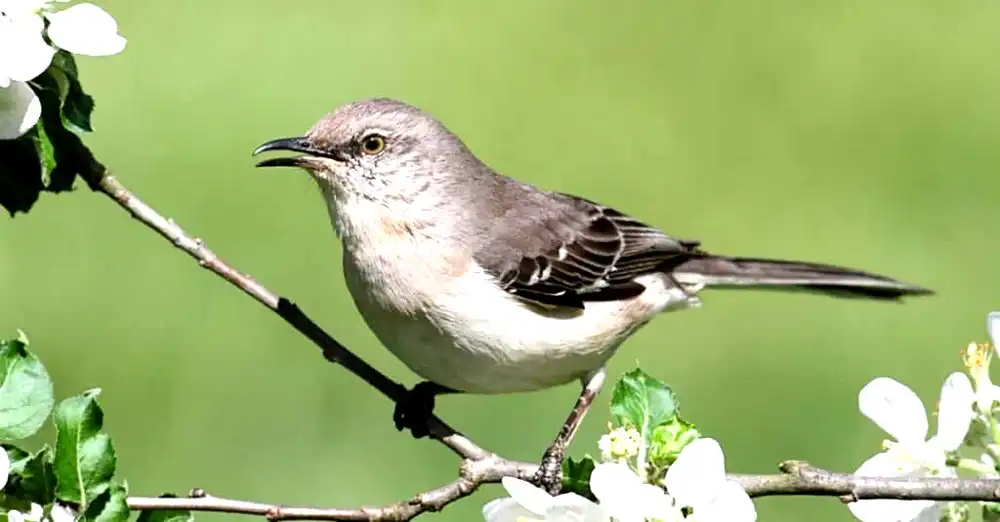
(743, 272)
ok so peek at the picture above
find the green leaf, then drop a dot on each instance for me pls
(110, 506)
(991, 512)
(576, 476)
(32, 477)
(17, 457)
(165, 515)
(25, 391)
(68, 150)
(667, 441)
(85, 455)
(77, 106)
(20, 174)
(641, 401)
(65, 62)
(72, 157)
(46, 152)
(51, 156)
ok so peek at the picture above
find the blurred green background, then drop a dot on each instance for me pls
(852, 132)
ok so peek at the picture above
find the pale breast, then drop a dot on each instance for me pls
(444, 317)
(470, 335)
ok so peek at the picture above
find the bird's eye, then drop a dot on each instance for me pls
(373, 144)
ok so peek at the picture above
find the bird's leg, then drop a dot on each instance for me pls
(414, 410)
(549, 474)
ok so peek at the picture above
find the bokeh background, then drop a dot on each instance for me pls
(853, 132)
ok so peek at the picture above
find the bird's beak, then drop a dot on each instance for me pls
(298, 144)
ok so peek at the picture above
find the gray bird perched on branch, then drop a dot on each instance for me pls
(480, 283)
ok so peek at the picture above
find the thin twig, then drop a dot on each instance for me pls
(473, 474)
(478, 465)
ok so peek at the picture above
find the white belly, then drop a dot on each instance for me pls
(473, 336)
(430, 304)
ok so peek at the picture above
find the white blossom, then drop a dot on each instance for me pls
(625, 497)
(35, 515)
(977, 360)
(24, 54)
(620, 444)
(897, 410)
(529, 503)
(697, 490)
(85, 29)
(697, 481)
(4, 467)
(993, 327)
(61, 513)
(20, 109)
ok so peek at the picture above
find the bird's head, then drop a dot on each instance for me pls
(377, 149)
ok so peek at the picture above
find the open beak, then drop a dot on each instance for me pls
(298, 144)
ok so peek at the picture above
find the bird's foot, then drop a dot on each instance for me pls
(549, 474)
(416, 408)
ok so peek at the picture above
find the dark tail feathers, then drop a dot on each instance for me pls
(743, 272)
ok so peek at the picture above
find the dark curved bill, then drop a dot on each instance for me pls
(296, 144)
(280, 162)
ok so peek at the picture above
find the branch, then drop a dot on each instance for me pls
(473, 474)
(478, 465)
(798, 478)
(801, 478)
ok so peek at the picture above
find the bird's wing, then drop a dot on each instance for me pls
(562, 250)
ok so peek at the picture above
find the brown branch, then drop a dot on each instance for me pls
(473, 474)
(478, 465)
(801, 478)
(798, 478)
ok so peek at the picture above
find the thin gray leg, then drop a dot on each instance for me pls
(549, 475)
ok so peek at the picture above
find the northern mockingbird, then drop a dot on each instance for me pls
(480, 283)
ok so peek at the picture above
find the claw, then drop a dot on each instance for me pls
(414, 411)
(549, 474)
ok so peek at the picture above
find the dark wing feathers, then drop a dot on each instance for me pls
(561, 250)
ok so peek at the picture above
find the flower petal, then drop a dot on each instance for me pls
(954, 411)
(499, 510)
(931, 513)
(15, 516)
(653, 503)
(896, 510)
(888, 464)
(993, 327)
(4, 467)
(894, 408)
(695, 477)
(85, 29)
(20, 109)
(60, 513)
(731, 504)
(611, 480)
(617, 488)
(36, 514)
(532, 498)
(571, 507)
(32, 55)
